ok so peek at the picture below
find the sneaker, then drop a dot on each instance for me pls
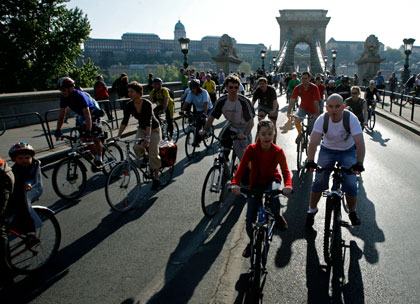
(310, 219)
(247, 251)
(281, 223)
(298, 138)
(98, 163)
(156, 184)
(354, 218)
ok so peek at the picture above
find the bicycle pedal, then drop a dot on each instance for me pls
(345, 224)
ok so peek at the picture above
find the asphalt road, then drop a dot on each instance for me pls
(166, 251)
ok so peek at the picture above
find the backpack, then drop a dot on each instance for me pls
(346, 121)
(171, 93)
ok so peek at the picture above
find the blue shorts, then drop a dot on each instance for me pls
(327, 159)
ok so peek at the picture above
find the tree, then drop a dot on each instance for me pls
(40, 42)
(85, 74)
(245, 67)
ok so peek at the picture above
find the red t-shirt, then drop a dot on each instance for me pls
(307, 97)
(264, 165)
(321, 89)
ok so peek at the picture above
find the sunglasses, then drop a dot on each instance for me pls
(354, 93)
(233, 87)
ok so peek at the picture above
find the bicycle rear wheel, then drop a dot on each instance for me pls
(123, 187)
(112, 155)
(212, 192)
(106, 129)
(330, 231)
(372, 120)
(69, 178)
(189, 141)
(29, 253)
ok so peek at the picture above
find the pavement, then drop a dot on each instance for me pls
(34, 134)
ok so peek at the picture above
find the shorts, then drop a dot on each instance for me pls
(301, 114)
(267, 111)
(326, 159)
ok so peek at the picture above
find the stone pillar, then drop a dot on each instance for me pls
(369, 62)
(227, 64)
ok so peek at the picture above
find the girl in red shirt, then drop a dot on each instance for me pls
(263, 157)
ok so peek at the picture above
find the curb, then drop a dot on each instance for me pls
(398, 121)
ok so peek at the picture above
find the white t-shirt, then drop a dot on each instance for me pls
(337, 137)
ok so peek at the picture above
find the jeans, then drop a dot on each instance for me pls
(255, 200)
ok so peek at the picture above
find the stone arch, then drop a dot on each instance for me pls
(297, 26)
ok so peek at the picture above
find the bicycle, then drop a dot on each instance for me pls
(262, 237)
(302, 143)
(104, 126)
(333, 222)
(69, 177)
(30, 252)
(371, 116)
(124, 186)
(187, 121)
(165, 131)
(215, 182)
(191, 142)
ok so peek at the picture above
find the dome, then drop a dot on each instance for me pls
(179, 26)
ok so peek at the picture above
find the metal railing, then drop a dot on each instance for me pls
(41, 122)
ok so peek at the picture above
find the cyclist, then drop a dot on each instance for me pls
(160, 95)
(337, 145)
(322, 92)
(370, 94)
(343, 89)
(291, 85)
(238, 110)
(88, 112)
(263, 157)
(149, 128)
(210, 86)
(200, 98)
(309, 104)
(267, 102)
(7, 181)
(357, 105)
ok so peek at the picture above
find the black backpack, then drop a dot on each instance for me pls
(346, 121)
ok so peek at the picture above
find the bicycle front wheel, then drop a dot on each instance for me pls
(300, 150)
(212, 192)
(209, 138)
(175, 135)
(189, 144)
(29, 253)
(106, 129)
(69, 178)
(112, 155)
(257, 269)
(330, 231)
(123, 187)
(372, 120)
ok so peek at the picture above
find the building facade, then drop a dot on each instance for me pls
(152, 44)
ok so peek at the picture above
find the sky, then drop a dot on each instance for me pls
(250, 21)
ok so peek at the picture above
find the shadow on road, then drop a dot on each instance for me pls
(368, 231)
(34, 285)
(196, 252)
(376, 136)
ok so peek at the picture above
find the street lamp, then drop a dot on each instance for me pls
(325, 61)
(184, 42)
(262, 58)
(334, 55)
(408, 46)
(274, 63)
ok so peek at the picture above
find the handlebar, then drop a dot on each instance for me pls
(336, 169)
(245, 191)
(127, 141)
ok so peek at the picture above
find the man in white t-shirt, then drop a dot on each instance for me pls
(338, 145)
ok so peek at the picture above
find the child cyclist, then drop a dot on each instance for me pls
(263, 157)
(27, 187)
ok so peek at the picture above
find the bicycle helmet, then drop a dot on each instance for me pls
(65, 82)
(345, 79)
(194, 83)
(157, 80)
(21, 147)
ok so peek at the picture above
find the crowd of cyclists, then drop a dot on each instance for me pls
(337, 131)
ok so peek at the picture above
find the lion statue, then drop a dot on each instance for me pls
(226, 48)
(371, 47)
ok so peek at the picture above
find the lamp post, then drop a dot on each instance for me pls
(262, 58)
(334, 55)
(325, 61)
(184, 42)
(408, 46)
